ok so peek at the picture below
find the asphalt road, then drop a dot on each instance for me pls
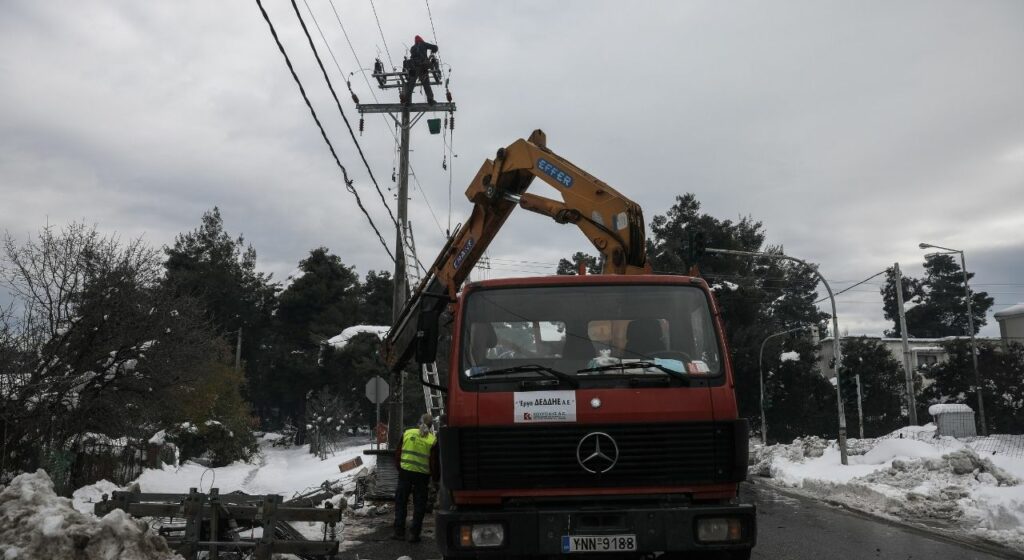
(790, 527)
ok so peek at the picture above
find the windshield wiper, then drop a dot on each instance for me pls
(632, 365)
(527, 368)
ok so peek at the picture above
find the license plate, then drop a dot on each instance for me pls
(598, 543)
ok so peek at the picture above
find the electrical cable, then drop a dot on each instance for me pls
(379, 28)
(348, 182)
(334, 94)
(431, 16)
(848, 288)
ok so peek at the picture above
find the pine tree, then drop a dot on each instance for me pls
(882, 382)
(568, 267)
(939, 303)
(758, 297)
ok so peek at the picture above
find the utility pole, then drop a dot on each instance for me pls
(908, 369)
(402, 113)
(860, 407)
(238, 351)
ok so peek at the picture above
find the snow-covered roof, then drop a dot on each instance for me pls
(341, 340)
(937, 409)
(1012, 311)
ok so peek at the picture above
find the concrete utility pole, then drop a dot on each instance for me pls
(860, 408)
(835, 335)
(908, 369)
(970, 332)
(401, 113)
(238, 351)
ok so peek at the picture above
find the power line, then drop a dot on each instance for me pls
(379, 28)
(323, 133)
(431, 16)
(373, 93)
(337, 103)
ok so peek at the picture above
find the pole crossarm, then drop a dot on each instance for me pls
(399, 107)
(835, 332)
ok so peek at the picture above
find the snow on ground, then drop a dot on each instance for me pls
(277, 470)
(36, 523)
(973, 485)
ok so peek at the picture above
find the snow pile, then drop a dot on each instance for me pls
(911, 475)
(86, 497)
(341, 340)
(790, 356)
(37, 524)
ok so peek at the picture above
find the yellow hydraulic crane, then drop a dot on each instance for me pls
(612, 222)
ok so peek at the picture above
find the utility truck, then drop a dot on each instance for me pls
(583, 414)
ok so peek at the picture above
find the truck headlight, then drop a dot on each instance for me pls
(482, 535)
(719, 529)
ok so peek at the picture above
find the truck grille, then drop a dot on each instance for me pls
(546, 456)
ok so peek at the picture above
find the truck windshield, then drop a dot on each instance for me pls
(590, 331)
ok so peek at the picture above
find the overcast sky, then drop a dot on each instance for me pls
(853, 130)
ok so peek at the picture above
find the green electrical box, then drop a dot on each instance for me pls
(434, 125)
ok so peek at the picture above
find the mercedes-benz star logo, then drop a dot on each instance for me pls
(597, 452)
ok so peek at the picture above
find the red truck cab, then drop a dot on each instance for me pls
(591, 414)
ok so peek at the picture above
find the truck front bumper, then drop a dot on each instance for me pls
(539, 531)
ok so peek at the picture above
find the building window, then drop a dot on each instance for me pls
(927, 360)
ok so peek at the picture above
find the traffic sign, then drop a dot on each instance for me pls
(377, 390)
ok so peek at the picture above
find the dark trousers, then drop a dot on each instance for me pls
(418, 72)
(416, 484)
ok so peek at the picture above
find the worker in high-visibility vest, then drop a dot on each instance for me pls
(417, 457)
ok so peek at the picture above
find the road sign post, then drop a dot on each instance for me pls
(377, 390)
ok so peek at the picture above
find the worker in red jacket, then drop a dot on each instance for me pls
(419, 69)
(417, 464)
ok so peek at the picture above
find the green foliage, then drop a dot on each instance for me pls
(799, 402)
(1002, 374)
(936, 304)
(320, 303)
(757, 296)
(376, 296)
(883, 387)
(568, 267)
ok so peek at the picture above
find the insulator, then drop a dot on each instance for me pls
(448, 94)
(444, 162)
(392, 174)
(445, 121)
(361, 125)
(451, 123)
(356, 99)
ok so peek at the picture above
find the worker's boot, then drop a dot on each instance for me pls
(399, 534)
(414, 538)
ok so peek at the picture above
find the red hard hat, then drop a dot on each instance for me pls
(419, 39)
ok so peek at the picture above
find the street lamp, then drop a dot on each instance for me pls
(970, 331)
(760, 372)
(835, 333)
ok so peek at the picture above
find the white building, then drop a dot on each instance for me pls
(1011, 323)
(923, 351)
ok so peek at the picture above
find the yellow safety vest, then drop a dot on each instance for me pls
(416, 451)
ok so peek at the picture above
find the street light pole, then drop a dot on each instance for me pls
(970, 331)
(835, 334)
(760, 371)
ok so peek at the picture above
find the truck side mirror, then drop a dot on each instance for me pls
(426, 336)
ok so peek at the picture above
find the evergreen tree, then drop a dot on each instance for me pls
(568, 267)
(882, 383)
(321, 303)
(1001, 371)
(376, 298)
(757, 296)
(799, 401)
(939, 303)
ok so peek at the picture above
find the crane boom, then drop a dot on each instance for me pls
(613, 224)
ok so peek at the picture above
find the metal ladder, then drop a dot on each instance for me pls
(433, 398)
